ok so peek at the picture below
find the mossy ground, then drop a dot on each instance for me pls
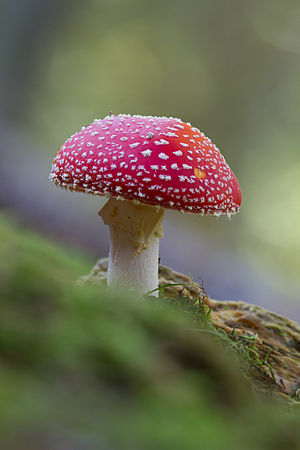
(84, 368)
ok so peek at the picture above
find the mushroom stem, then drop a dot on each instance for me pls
(138, 272)
(135, 230)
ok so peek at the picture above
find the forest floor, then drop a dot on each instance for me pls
(82, 367)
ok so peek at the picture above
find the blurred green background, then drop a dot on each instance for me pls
(231, 68)
(83, 368)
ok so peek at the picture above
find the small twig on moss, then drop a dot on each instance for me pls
(237, 325)
(163, 286)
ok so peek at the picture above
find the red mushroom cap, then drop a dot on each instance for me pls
(155, 160)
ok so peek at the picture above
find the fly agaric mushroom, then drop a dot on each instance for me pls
(144, 164)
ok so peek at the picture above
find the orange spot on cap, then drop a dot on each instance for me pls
(199, 173)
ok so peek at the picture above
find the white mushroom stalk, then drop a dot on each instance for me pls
(135, 231)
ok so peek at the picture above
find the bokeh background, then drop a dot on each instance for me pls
(230, 68)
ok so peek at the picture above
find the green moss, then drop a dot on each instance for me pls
(241, 345)
(93, 368)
